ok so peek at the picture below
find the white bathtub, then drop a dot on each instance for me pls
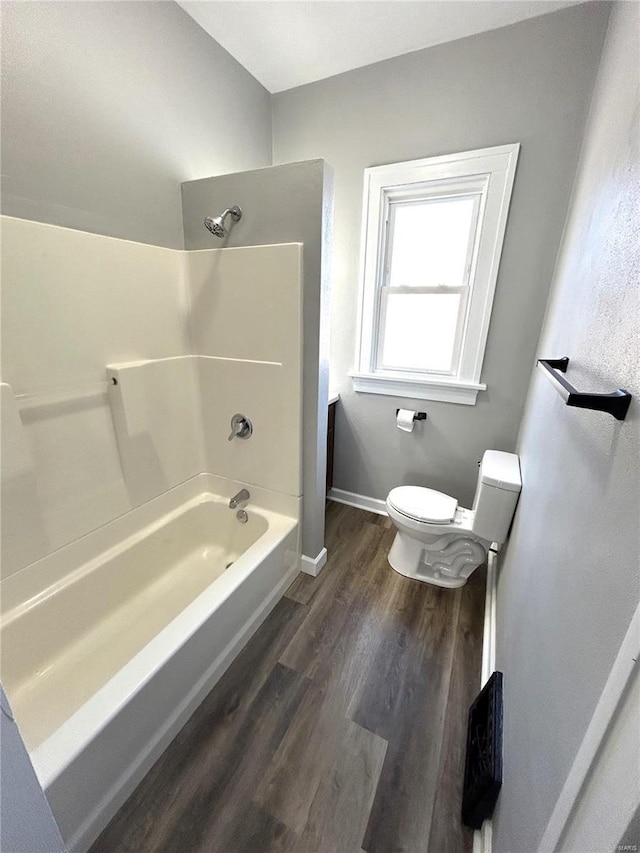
(109, 644)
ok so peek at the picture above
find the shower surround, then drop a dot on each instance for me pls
(122, 367)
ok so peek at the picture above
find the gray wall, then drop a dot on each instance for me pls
(107, 107)
(570, 579)
(26, 822)
(283, 204)
(528, 83)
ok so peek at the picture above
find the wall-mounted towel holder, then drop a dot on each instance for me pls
(616, 403)
(419, 416)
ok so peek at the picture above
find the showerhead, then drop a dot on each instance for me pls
(216, 224)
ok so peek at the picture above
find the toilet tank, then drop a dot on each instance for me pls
(497, 493)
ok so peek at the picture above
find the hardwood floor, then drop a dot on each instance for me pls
(340, 727)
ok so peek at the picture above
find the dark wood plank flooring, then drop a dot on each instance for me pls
(339, 728)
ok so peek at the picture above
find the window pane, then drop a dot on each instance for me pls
(430, 242)
(420, 331)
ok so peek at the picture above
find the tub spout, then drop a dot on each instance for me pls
(241, 498)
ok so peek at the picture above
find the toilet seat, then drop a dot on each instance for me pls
(423, 504)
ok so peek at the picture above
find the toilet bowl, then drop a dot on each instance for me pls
(442, 543)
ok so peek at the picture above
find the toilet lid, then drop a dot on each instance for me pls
(423, 504)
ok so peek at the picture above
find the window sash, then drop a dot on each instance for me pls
(391, 206)
(420, 195)
(380, 367)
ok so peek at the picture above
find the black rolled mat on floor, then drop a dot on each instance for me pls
(483, 765)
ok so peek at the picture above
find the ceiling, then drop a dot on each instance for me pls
(287, 43)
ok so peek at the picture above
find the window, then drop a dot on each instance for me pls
(432, 238)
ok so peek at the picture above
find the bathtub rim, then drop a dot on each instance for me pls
(63, 746)
(118, 548)
(35, 579)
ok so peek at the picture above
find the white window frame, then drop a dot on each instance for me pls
(488, 173)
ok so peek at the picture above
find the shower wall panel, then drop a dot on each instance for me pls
(191, 337)
(270, 397)
(156, 413)
(246, 313)
(72, 303)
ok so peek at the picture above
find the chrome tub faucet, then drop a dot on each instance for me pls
(241, 498)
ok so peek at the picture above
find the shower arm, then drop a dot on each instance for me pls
(234, 211)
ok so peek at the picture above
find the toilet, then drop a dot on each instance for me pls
(442, 543)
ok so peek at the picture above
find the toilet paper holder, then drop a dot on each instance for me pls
(419, 416)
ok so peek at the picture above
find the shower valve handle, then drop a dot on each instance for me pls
(241, 427)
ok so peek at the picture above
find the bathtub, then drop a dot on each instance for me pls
(109, 644)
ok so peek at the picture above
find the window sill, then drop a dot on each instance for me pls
(449, 391)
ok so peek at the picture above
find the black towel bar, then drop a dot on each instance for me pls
(616, 404)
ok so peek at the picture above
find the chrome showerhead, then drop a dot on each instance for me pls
(216, 224)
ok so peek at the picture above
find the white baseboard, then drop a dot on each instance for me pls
(313, 565)
(482, 838)
(359, 501)
(489, 630)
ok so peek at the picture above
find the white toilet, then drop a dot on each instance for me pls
(442, 543)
